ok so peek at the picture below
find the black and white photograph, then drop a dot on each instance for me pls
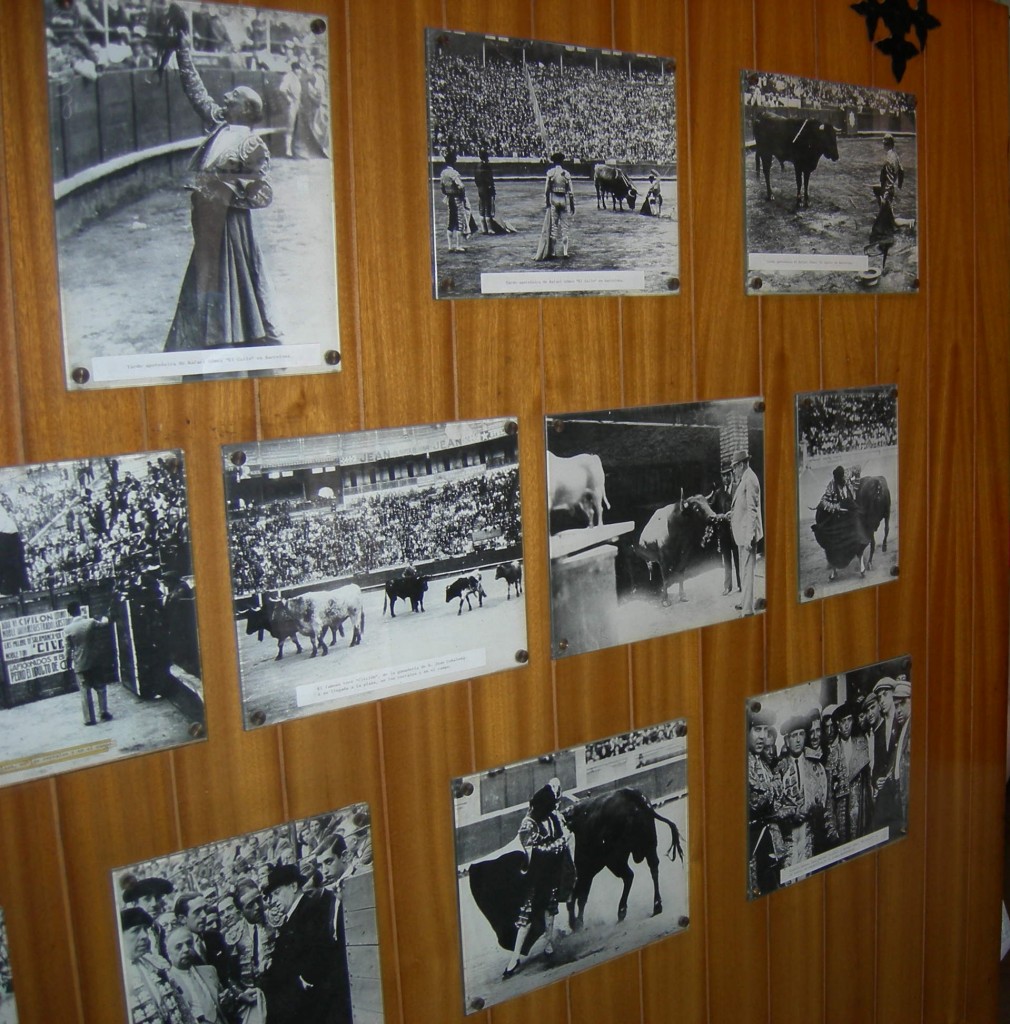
(831, 191)
(99, 649)
(8, 1002)
(656, 520)
(272, 927)
(570, 859)
(827, 772)
(193, 187)
(846, 490)
(371, 564)
(553, 168)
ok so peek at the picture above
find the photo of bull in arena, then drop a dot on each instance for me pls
(99, 653)
(552, 168)
(193, 190)
(276, 926)
(656, 520)
(830, 186)
(847, 489)
(370, 564)
(828, 766)
(570, 859)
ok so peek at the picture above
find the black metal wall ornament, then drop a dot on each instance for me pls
(900, 18)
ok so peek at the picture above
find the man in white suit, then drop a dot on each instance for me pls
(745, 521)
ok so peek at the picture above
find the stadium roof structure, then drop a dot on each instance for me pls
(367, 445)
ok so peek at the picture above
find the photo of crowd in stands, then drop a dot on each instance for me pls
(370, 564)
(570, 859)
(831, 186)
(8, 1003)
(846, 489)
(827, 772)
(656, 520)
(99, 654)
(553, 168)
(193, 189)
(272, 927)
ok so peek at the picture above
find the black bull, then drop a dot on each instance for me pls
(844, 535)
(608, 829)
(801, 141)
(406, 588)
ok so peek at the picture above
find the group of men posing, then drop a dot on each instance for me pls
(841, 773)
(278, 957)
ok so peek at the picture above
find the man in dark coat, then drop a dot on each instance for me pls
(302, 981)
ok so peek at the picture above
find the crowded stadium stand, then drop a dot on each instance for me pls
(350, 505)
(523, 100)
(111, 524)
(850, 421)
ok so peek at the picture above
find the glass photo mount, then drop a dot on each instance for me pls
(191, 150)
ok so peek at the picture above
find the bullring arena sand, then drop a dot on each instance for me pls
(600, 239)
(121, 273)
(602, 937)
(838, 220)
(498, 629)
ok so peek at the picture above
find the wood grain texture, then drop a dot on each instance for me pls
(902, 935)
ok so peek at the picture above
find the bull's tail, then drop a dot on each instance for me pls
(361, 624)
(385, 598)
(675, 846)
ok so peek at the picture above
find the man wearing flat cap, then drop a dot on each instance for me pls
(902, 748)
(745, 520)
(302, 979)
(884, 689)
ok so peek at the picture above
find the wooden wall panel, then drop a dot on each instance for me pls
(906, 934)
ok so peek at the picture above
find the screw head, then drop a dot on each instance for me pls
(237, 458)
(80, 375)
(257, 718)
(522, 656)
(332, 357)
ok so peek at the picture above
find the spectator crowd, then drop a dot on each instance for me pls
(765, 89)
(840, 421)
(613, 746)
(95, 521)
(527, 110)
(288, 543)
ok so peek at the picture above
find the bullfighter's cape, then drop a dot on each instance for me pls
(842, 535)
(544, 245)
(498, 887)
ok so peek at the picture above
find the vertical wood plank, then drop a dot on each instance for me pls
(991, 556)
(950, 610)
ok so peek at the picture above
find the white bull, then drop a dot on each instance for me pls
(318, 611)
(579, 483)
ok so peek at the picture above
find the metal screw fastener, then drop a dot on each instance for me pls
(257, 718)
(332, 357)
(79, 375)
(196, 729)
(522, 656)
(237, 458)
(318, 26)
(808, 593)
(757, 284)
(511, 428)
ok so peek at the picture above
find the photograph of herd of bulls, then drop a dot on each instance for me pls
(830, 186)
(99, 650)
(827, 772)
(371, 564)
(570, 859)
(552, 168)
(656, 520)
(846, 490)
